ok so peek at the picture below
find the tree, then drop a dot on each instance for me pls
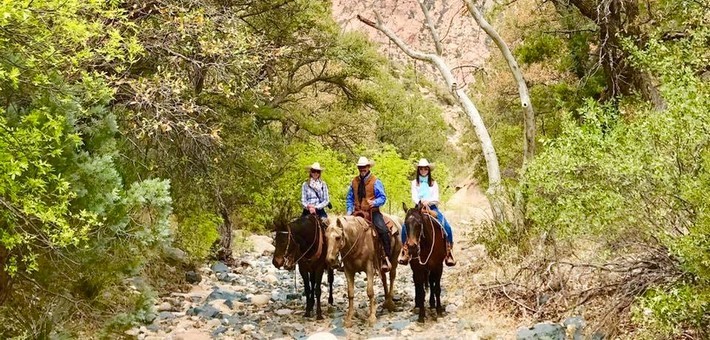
(528, 112)
(489, 153)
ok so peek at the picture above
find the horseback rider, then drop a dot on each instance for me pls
(426, 191)
(367, 195)
(314, 194)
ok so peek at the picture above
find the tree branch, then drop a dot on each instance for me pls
(432, 28)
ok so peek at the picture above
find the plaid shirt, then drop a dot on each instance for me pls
(309, 197)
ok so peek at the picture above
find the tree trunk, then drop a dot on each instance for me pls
(489, 153)
(5, 280)
(528, 112)
(224, 253)
(616, 20)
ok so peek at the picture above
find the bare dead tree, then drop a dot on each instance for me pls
(489, 153)
(528, 112)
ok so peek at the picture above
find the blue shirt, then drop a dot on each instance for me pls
(380, 196)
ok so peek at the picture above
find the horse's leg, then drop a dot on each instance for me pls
(390, 299)
(307, 289)
(371, 293)
(432, 290)
(351, 295)
(317, 281)
(330, 286)
(437, 278)
(419, 293)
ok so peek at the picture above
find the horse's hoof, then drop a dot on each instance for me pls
(319, 317)
(307, 315)
(372, 320)
(440, 311)
(421, 320)
(389, 305)
(330, 301)
(348, 323)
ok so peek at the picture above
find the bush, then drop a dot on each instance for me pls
(196, 234)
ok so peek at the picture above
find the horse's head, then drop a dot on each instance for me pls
(414, 221)
(336, 241)
(284, 244)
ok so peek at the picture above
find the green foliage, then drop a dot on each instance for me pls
(196, 234)
(538, 48)
(639, 181)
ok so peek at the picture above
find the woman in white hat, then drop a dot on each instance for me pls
(425, 190)
(314, 193)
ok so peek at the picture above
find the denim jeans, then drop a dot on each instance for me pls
(320, 212)
(442, 220)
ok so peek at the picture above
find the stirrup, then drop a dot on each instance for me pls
(449, 261)
(386, 265)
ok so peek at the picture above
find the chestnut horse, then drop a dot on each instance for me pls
(427, 247)
(302, 239)
(359, 249)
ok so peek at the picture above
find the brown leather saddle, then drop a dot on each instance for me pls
(388, 222)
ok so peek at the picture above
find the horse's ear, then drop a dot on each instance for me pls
(339, 223)
(404, 207)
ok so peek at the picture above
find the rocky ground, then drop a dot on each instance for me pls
(256, 301)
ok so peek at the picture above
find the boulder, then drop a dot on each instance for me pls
(220, 267)
(193, 277)
(262, 245)
(542, 331)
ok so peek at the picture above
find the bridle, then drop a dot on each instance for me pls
(291, 239)
(421, 233)
(351, 247)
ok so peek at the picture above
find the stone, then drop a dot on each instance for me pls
(175, 254)
(406, 332)
(260, 300)
(262, 245)
(193, 277)
(220, 267)
(219, 330)
(547, 331)
(284, 311)
(248, 328)
(214, 323)
(270, 279)
(223, 294)
(451, 308)
(153, 328)
(132, 332)
(293, 296)
(322, 336)
(400, 325)
(165, 307)
(165, 316)
(574, 327)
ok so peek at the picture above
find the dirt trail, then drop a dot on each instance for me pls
(256, 301)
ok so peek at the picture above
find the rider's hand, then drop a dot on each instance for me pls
(312, 209)
(371, 202)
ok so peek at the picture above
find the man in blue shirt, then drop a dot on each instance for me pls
(367, 194)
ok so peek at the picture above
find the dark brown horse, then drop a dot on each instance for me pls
(303, 241)
(427, 246)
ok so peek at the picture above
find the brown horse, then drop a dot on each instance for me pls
(427, 246)
(302, 241)
(359, 250)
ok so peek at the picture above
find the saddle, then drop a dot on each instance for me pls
(389, 222)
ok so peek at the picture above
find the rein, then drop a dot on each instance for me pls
(351, 247)
(290, 238)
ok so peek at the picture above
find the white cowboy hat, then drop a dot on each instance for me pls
(315, 166)
(424, 163)
(363, 161)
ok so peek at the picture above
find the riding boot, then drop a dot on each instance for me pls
(385, 238)
(404, 256)
(449, 257)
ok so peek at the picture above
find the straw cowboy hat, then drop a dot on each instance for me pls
(363, 161)
(424, 163)
(314, 166)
